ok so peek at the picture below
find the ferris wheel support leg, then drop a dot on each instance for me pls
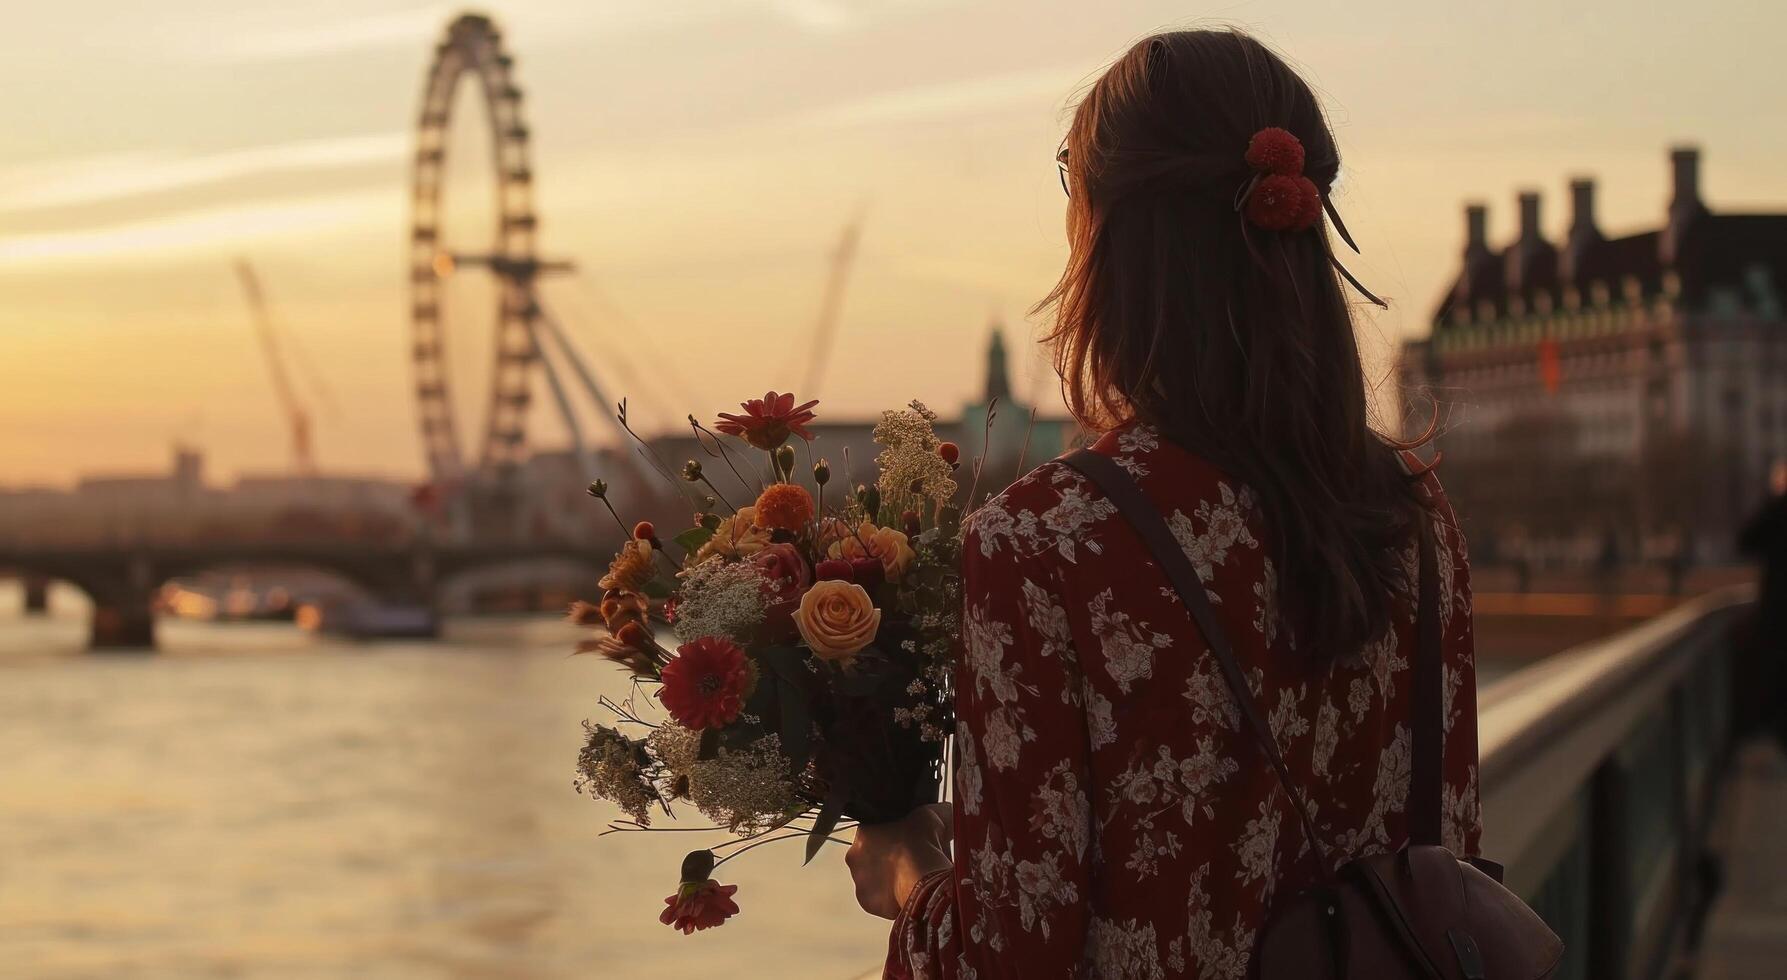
(584, 375)
(563, 399)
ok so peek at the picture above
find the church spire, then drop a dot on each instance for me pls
(998, 378)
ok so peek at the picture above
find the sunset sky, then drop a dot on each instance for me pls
(697, 159)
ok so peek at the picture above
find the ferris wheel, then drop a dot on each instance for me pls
(473, 47)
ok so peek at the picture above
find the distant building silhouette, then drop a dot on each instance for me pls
(1624, 393)
(1010, 440)
(177, 505)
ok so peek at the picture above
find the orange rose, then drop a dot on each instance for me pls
(884, 544)
(737, 536)
(837, 620)
(828, 531)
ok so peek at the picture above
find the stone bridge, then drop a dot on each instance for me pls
(122, 580)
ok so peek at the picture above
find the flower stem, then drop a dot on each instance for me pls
(626, 532)
(718, 494)
(986, 442)
(1023, 450)
(645, 450)
(722, 452)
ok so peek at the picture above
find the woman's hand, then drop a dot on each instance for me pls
(888, 860)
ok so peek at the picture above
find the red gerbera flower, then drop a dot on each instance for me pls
(705, 683)
(700, 905)
(768, 421)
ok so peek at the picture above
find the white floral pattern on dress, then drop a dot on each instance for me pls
(1113, 818)
(1128, 647)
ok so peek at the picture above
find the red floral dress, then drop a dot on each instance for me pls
(1113, 819)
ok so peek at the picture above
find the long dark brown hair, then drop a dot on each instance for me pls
(1236, 341)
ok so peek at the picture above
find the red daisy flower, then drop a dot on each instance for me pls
(768, 421)
(699, 905)
(705, 683)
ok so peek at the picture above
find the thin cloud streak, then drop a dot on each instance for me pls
(958, 98)
(541, 22)
(203, 229)
(382, 30)
(819, 16)
(114, 176)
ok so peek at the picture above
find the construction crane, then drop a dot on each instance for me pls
(832, 305)
(297, 416)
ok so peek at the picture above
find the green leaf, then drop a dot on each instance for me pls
(692, 539)
(823, 825)
(656, 589)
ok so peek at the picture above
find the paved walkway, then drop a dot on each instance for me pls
(1746, 932)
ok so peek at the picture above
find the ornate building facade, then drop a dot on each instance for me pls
(1610, 398)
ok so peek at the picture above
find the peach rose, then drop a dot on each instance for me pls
(884, 543)
(837, 620)
(828, 531)
(738, 536)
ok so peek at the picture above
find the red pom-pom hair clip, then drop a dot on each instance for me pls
(1284, 203)
(1275, 151)
(1279, 198)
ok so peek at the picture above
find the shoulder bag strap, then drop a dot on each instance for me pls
(1145, 518)
(1427, 705)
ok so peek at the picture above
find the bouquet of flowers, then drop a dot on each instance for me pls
(791, 657)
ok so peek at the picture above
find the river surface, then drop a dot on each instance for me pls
(258, 802)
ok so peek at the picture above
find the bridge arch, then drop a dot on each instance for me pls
(122, 582)
(544, 578)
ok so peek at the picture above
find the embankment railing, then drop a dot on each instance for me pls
(1599, 771)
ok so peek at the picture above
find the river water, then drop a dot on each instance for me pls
(257, 802)
(254, 801)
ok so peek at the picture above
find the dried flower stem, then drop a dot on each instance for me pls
(986, 443)
(720, 451)
(718, 494)
(754, 844)
(1024, 450)
(849, 483)
(644, 449)
(623, 826)
(625, 531)
(623, 710)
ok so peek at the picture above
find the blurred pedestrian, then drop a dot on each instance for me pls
(1763, 674)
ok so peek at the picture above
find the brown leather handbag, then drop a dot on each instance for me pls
(1422, 912)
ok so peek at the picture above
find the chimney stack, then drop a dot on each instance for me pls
(1476, 231)
(1529, 218)
(1582, 206)
(1685, 162)
(1684, 205)
(1584, 235)
(1477, 275)
(1527, 258)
